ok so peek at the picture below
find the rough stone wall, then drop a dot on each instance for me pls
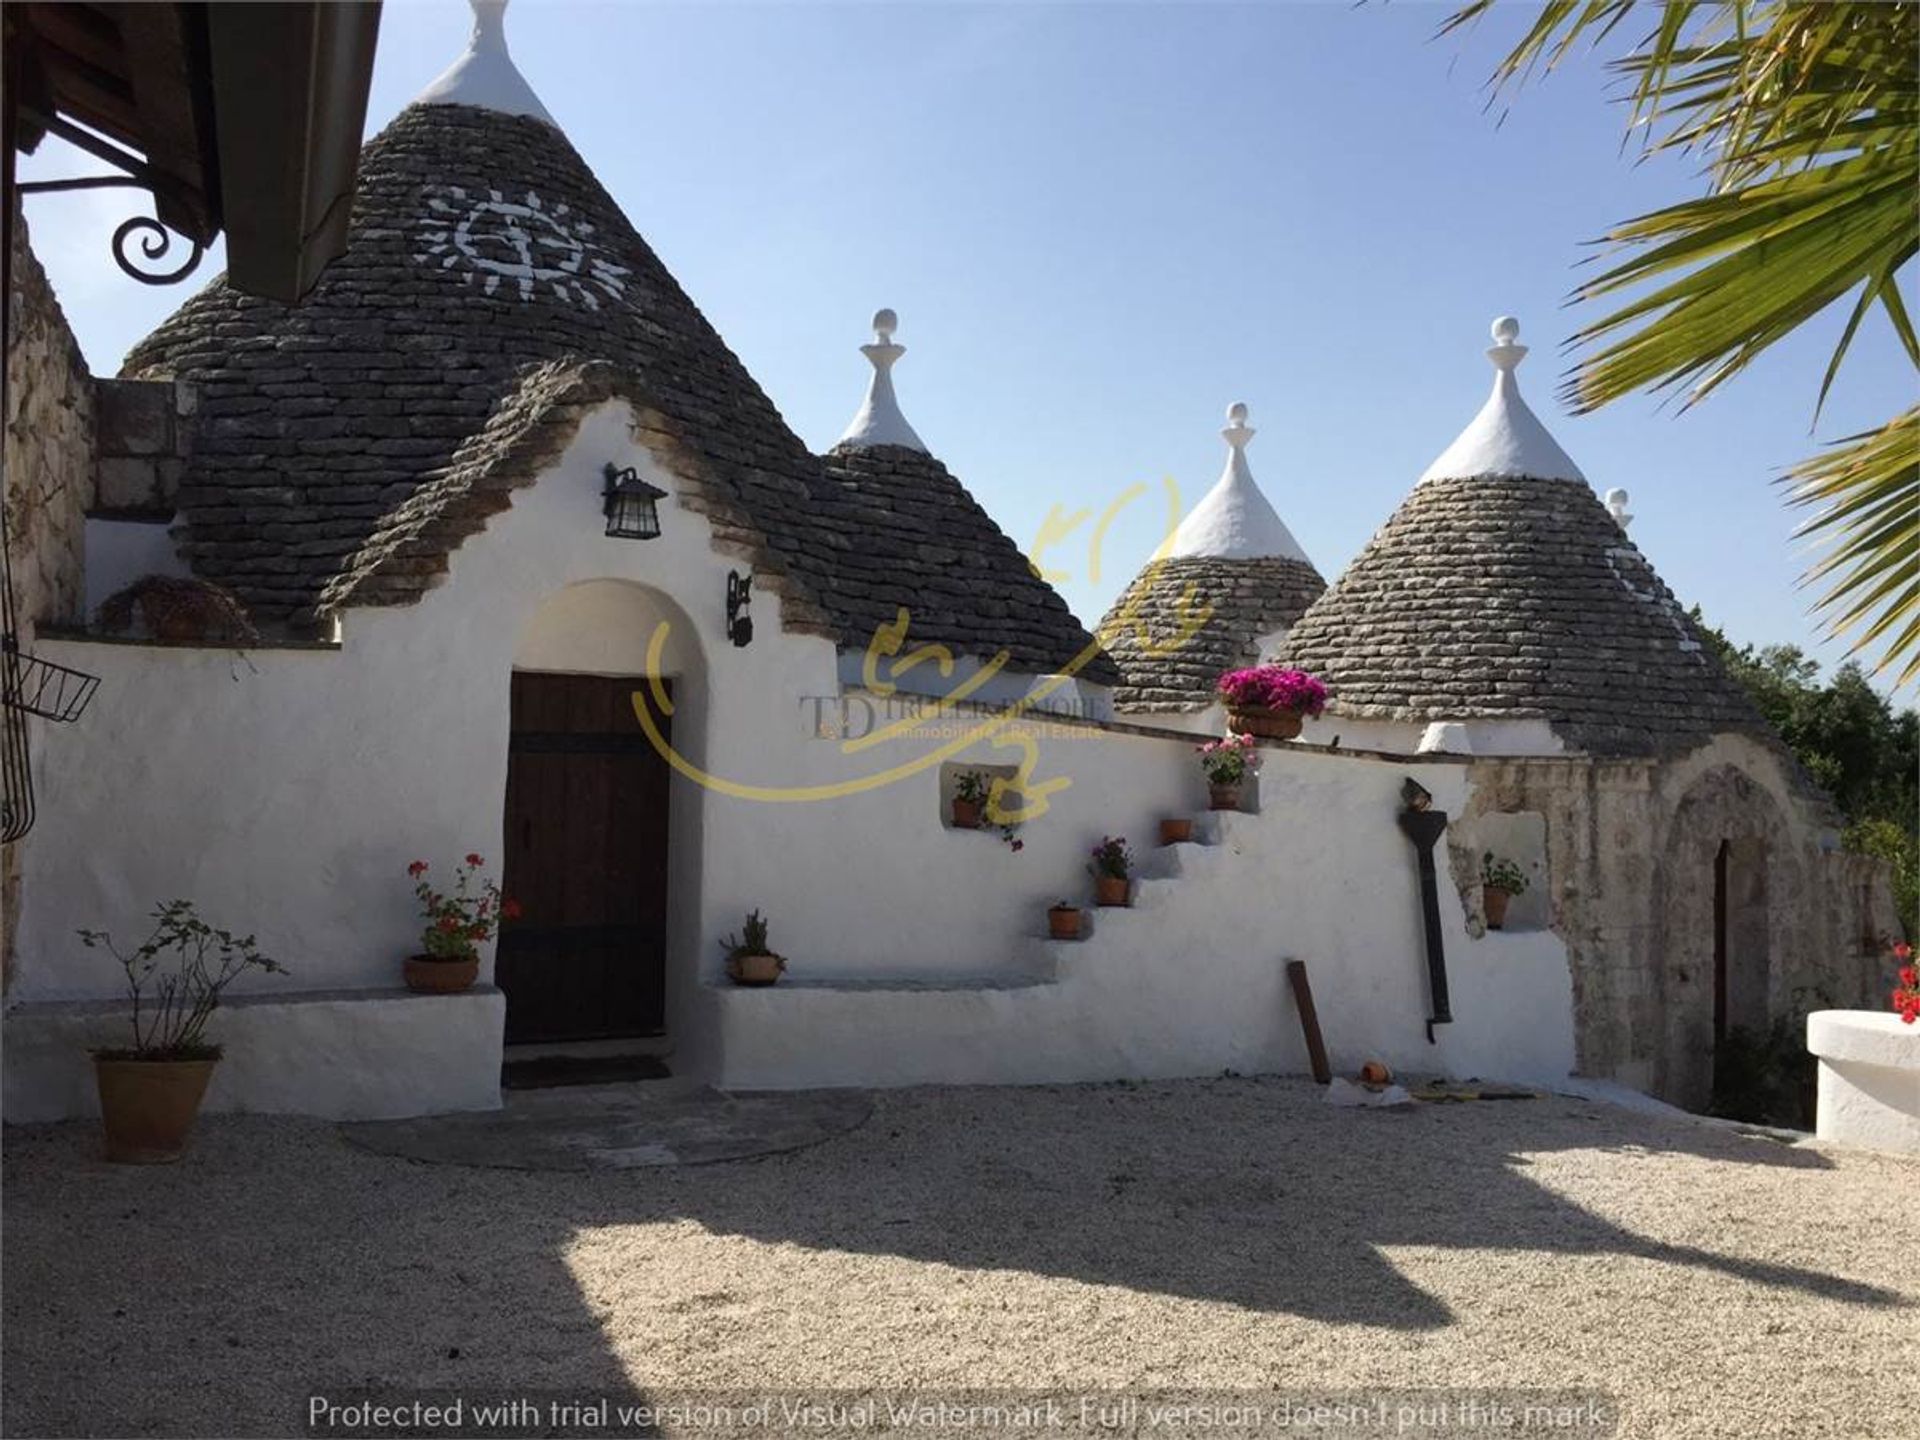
(49, 483)
(49, 447)
(1630, 853)
(142, 433)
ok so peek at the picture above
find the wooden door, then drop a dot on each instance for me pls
(586, 850)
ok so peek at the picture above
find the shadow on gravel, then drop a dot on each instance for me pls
(276, 1262)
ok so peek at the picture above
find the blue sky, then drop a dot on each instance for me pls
(1102, 223)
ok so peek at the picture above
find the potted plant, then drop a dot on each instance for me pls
(1500, 881)
(151, 1090)
(1271, 701)
(1226, 764)
(1063, 920)
(1176, 830)
(749, 961)
(1111, 867)
(458, 923)
(969, 799)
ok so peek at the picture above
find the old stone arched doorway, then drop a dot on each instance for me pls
(1721, 874)
(601, 837)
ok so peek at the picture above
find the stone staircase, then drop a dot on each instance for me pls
(1190, 978)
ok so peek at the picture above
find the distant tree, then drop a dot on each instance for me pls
(1851, 739)
(1807, 119)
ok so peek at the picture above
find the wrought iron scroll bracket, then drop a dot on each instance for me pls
(156, 240)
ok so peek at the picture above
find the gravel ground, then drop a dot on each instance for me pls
(1206, 1235)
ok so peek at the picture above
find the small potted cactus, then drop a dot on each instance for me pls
(749, 959)
(1500, 881)
(1063, 920)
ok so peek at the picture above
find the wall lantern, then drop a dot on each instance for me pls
(632, 505)
(739, 622)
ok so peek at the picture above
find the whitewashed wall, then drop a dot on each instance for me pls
(286, 791)
(1191, 980)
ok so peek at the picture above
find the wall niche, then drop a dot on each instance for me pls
(1519, 836)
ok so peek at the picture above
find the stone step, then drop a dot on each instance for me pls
(1150, 892)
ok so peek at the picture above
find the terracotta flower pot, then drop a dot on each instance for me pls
(1494, 902)
(1176, 832)
(147, 1106)
(430, 975)
(1111, 889)
(1224, 797)
(1063, 922)
(755, 969)
(966, 814)
(1267, 724)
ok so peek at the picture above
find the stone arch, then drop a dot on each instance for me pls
(606, 628)
(1724, 872)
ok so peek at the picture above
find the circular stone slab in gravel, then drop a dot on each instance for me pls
(620, 1127)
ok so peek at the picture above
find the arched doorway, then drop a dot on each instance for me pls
(1716, 882)
(601, 837)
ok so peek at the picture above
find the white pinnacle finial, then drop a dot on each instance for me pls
(1507, 351)
(879, 421)
(1506, 439)
(1617, 508)
(1233, 520)
(484, 77)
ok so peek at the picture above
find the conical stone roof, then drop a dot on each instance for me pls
(1232, 575)
(1516, 595)
(1184, 621)
(931, 537)
(490, 293)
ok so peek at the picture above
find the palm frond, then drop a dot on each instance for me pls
(1862, 492)
(1809, 118)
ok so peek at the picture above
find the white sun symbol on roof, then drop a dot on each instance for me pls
(495, 240)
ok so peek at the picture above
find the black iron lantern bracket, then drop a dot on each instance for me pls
(739, 593)
(632, 506)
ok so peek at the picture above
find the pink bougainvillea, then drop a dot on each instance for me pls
(1273, 687)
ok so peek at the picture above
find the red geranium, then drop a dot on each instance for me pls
(460, 921)
(1906, 994)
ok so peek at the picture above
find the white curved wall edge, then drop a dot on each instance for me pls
(1869, 1079)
